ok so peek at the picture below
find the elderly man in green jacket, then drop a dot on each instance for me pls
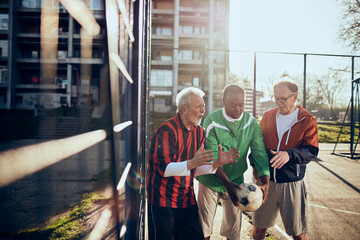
(231, 127)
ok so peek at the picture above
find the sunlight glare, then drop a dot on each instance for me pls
(78, 10)
(18, 163)
(123, 177)
(121, 126)
(101, 225)
(119, 63)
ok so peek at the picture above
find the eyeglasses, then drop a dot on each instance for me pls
(281, 100)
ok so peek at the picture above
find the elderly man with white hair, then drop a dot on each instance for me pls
(176, 156)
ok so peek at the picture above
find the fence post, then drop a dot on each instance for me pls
(254, 93)
(304, 90)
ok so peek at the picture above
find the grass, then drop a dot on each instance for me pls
(68, 227)
(328, 133)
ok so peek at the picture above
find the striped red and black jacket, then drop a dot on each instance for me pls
(172, 142)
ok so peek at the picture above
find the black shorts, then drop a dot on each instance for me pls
(174, 223)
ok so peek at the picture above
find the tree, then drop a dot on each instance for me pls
(350, 29)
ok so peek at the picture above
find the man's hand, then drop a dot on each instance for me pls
(279, 159)
(265, 187)
(202, 157)
(226, 157)
(231, 189)
(255, 174)
(264, 181)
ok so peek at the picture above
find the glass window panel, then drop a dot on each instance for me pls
(161, 78)
(3, 75)
(186, 54)
(196, 81)
(166, 31)
(197, 30)
(158, 31)
(197, 55)
(31, 3)
(188, 29)
(24, 3)
(4, 24)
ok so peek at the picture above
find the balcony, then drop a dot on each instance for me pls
(162, 11)
(161, 63)
(190, 61)
(194, 35)
(194, 10)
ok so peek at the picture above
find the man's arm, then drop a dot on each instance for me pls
(259, 160)
(201, 158)
(309, 148)
(223, 159)
(230, 186)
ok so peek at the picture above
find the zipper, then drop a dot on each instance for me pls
(274, 169)
(286, 142)
(297, 170)
(287, 138)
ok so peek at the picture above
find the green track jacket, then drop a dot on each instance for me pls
(243, 134)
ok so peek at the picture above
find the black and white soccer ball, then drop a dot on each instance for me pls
(250, 197)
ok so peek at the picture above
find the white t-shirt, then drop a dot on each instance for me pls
(284, 122)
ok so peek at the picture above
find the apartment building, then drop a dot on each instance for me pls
(189, 46)
(56, 66)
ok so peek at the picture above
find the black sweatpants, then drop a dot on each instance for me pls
(174, 223)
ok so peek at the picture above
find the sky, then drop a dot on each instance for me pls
(286, 26)
(290, 26)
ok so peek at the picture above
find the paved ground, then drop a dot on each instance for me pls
(333, 185)
(333, 189)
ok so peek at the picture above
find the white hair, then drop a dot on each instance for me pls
(183, 97)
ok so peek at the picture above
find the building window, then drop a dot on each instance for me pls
(4, 48)
(197, 55)
(190, 29)
(161, 55)
(62, 54)
(164, 31)
(187, 29)
(97, 53)
(19, 99)
(3, 75)
(219, 57)
(161, 78)
(189, 54)
(4, 21)
(185, 54)
(189, 80)
(31, 3)
(95, 4)
(196, 81)
(35, 54)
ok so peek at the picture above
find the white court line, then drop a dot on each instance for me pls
(338, 210)
(282, 232)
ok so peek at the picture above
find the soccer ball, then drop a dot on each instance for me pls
(250, 197)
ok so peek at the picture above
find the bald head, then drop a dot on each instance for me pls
(232, 89)
(234, 100)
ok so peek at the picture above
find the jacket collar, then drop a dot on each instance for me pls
(230, 119)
